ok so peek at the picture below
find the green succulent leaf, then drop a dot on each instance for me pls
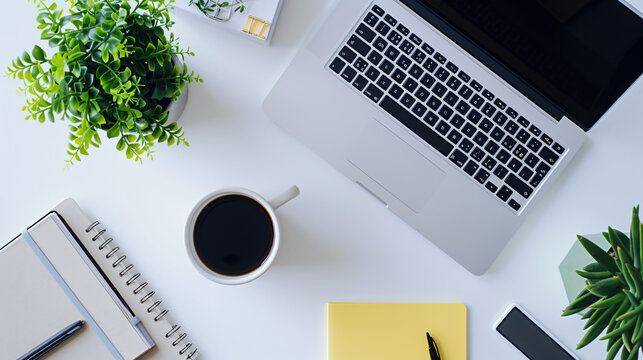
(599, 254)
(601, 323)
(606, 287)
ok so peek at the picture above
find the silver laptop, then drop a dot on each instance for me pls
(458, 115)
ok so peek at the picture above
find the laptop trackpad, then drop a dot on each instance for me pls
(395, 165)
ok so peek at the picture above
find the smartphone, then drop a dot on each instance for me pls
(536, 343)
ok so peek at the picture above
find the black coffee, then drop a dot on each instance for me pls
(233, 235)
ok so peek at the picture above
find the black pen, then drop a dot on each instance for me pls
(53, 341)
(433, 348)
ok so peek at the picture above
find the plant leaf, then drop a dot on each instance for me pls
(599, 254)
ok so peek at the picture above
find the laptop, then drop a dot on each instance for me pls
(458, 115)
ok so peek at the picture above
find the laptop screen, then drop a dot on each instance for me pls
(581, 54)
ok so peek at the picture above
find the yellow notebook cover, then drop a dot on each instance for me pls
(392, 331)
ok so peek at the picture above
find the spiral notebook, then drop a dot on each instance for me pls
(66, 268)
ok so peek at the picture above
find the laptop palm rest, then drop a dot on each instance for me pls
(395, 166)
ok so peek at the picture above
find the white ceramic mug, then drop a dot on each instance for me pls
(269, 206)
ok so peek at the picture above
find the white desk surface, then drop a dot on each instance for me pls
(339, 244)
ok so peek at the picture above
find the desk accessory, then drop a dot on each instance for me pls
(434, 351)
(614, 291)
(384, 331)
(232, 235)
(51, 343)
(115, 69)
(132, 294)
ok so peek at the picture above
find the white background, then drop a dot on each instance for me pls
(339, 244)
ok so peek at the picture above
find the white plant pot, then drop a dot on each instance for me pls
(177, 106)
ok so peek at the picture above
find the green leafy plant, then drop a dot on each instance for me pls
(209, 6)
(613, 296)
(113, 69)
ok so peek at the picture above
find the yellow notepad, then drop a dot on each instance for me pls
(387, 331)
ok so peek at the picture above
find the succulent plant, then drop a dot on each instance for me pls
(613, 296)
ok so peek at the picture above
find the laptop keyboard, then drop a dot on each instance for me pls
(479, 133)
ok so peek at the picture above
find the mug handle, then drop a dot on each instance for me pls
(286, 196)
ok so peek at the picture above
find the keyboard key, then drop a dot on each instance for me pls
(511, 127)
(487, 94)
(374, 57)
(372, 73)
(407, 47)
(468, 130)
(501, 172)
(418, 56)
(349, 74)
(531, 160)
(543, 169)
(476, 85)
(476, 101)
(347, 54)
(536, 180)
(396, 91)
(404, 62)
(534, 130)
(466, 146)
(503, 156)
(417, 126)
(361, 64)
(512, 113)
(462, 107)
(410, 85)
(398, 75)
(471, 168)
(492, 147)
(378, 10)
(442, 74)
(403, 29)
(514, 165)
(383, 28)
(419, 109)
(422, 94)
(491, 187)
(373, 93)
(526, 173)
(434, 103)
(394, 37)
(430, 65)
(445, 112)
(439, 90)
(454, 83)
(465, 92)
(380, 44)
(392, 53)
(522, 121)
(508, 143)
(500, 118)
(359, 45)
(457, 121)
(458, 158)
(443, 128)
(521, 188)
(427, 48)
(408, 100)
(439, 58)
(478, 154)
(464, 76)
(416, 71)
(486, 125)
(480, 138)
(500, 104)
(482, 176)
(451, 98)
(431, 118)
(534, 145)
(489, 163)
(497, 134)
(365, 32)
(360, 83)
(474, 116)
(452, 67)
(390, 20)
(488, 109)
(523, 136)
(416, 39)
(454, 136)
(546, 139)
(520, 152)
(371, 19)
(558, 148)
(337, 65)
(427, 80)
(384, 82)
(505, 193)
(549, 156)
(514, 204)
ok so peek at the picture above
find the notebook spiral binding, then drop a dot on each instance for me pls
(113, 252)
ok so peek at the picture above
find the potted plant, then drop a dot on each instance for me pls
(219, 10)
(613, 296)
(114, 70)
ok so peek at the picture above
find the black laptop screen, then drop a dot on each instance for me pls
(581, 54)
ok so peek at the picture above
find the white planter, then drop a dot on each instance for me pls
(177, 106)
